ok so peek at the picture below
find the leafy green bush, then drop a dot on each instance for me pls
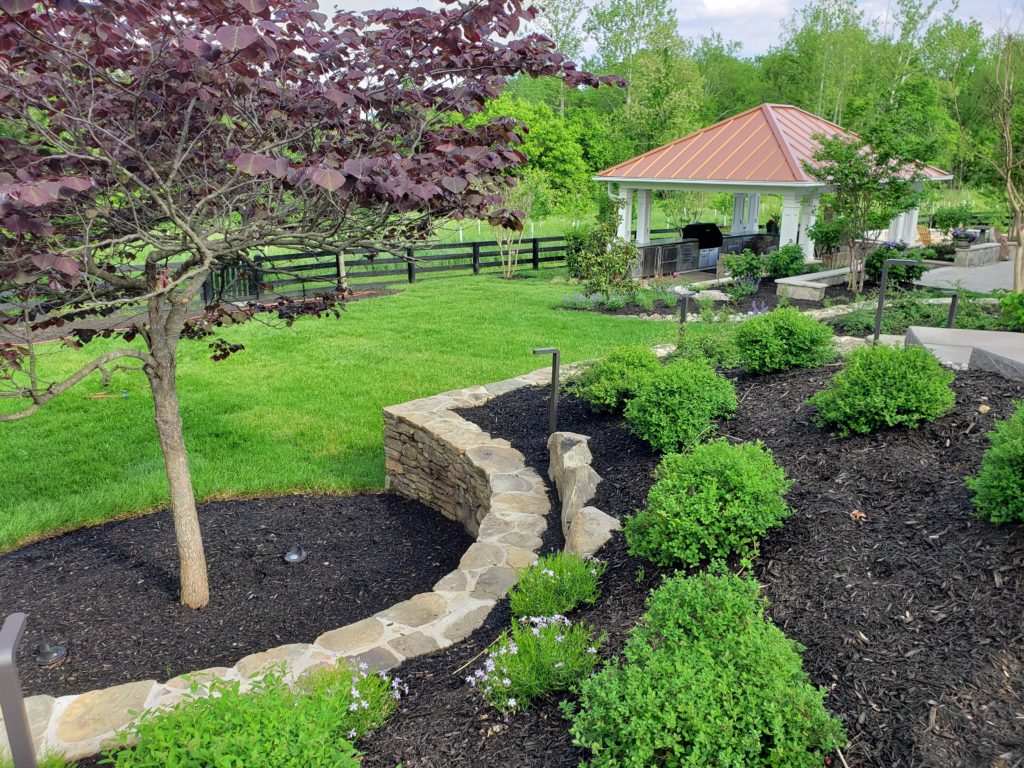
(609, 382)
(745, 266)
(897, 273)
(538, 656)
(786, 262)
(952, 217)
(906, 308)
(576, 243)
(314, 723)
(710, 341)
(608, 269)
(783, 339)
(706, 680)
(883, 386)
(1011, 308)
(717, 500)
(556, 584)
(674, 405)
(741, 288)
(999, 487)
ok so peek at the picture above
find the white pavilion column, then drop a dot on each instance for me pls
(643, 216)
(808, 215)
(626, 213)
(753, 212)
(895, 231)
(739, 204)
(910, 226)
(789, 227)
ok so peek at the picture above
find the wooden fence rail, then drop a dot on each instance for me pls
(314, 272)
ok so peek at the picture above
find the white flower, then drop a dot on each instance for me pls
(506, 682)
(559, 638)
(353, 707)
(559, 665)
(364, 704)
(591, 649)
(353, 733)
(512, 703)
(355, 693)
(471, 680)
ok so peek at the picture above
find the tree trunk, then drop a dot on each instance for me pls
(167, 315)
(1018, 257)
(195, 590)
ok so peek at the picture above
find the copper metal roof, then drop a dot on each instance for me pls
(765, 144)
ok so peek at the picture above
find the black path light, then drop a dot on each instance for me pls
(685, 294)
(295, 555)
(12, 703)
(881, 292)
(555, 366)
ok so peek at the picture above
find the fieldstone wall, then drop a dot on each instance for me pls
(434, 456)
(586, 528)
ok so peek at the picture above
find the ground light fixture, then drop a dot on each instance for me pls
(685, 294)
(295, 555)
(555, 365)
(50, 654)
(12, 703)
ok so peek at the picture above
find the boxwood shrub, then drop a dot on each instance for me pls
(608, 383)
(783, 339)
(999, 487)
(673, 406)
(713, 502)
(884, 386)
(706, 680)
(787, 261)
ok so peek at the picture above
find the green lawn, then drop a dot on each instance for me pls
(299, 409)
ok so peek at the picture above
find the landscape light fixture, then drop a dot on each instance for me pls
(295, 555)
(685, 294)
(881, 292)
(12, 702)
(555, 366)
(48, 655)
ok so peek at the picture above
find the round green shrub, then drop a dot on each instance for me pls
(999, 487)
(783, 339)
(609, 382)
(897, 272)
(673, 406)
(786, 262)
(715, 501)
(883, 386)
(706, 680)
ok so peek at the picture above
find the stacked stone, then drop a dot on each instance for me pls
(434, 456)
(586, 528)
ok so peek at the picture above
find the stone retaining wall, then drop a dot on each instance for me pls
(434, 456)
(586, 528)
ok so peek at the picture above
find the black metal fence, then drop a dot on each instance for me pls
(315, 272)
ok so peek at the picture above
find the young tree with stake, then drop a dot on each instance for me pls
(159, 141)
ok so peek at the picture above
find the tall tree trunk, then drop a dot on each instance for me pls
(167, 316)
(1018, 257)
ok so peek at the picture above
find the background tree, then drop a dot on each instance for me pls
(167, 139)
(560, 20)
(868, 188)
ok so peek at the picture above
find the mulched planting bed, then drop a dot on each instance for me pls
(109, 593)
(914, 616)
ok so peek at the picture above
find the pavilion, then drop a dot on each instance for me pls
(760, 151)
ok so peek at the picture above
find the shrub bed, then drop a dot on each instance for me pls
(883, 386)
(713, 502)
(706, 680)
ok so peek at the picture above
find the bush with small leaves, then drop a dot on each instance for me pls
(556, 584)
(314, 723)
(898, 273)
(745, 266)
(999, 487)
(705, 680)
(538, 656)
(786, 262)
(713, 502)
(674, 405)
(883, 386)
(710, 341)
(781, 340)
(609, 382)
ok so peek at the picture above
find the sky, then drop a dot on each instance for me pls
(756, 24)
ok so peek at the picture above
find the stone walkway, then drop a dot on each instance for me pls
(986, 279)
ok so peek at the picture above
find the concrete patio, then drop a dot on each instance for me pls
(998, 351)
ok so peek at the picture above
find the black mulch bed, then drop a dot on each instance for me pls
(915, 616)
(109, 593)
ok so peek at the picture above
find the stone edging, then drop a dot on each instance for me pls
(434, 456)
(586, 528)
